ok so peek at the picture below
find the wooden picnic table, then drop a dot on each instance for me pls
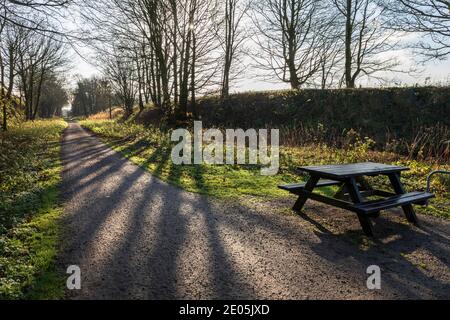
(354, 191)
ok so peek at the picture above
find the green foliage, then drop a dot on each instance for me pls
(150, 148)
(15, 112)
(27, 253)
(29, 173)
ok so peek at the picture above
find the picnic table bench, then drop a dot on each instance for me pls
(354, 190)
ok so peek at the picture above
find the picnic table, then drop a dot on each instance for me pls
(354, 191)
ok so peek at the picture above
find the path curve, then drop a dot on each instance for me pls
(136, 237)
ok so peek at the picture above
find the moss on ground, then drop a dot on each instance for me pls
(29, 211)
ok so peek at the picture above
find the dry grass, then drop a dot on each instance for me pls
(116, 113)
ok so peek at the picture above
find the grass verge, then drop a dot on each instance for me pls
(151, 149)
(29, 210)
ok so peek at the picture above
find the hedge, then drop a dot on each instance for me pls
(373, 112)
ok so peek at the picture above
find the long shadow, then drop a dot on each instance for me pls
(86, 156)
(227, 283)
(171, 235)
(99, 170)
(406, 277)
(136, 148)
(161, 155)
(90, 211)
(124, 271)
(94, 149)
(147, 257)
(152, 268)
(94, 213)
(147, 262)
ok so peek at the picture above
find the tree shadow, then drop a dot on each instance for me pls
(142, 253)
(89, 202)
(138, 237)
(227, 282)
(400, 250)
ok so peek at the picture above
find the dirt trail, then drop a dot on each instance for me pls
(136, 237)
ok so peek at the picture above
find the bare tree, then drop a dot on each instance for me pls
(9, 44)
(2, 88)
(332, 51)
(289, 39)
(23, 24)
(231, 33)
(54, 97)
(331, 59)
(204, 62)
(92, 95)
(39, 57)
(120, 70)
(36, 15)
(173, 55)
(430, 18)
(365, 39)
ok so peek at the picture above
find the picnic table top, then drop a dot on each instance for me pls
(343, 171)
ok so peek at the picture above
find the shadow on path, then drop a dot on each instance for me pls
(136, 237)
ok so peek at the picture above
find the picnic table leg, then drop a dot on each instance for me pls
(356, 197)
(365, 186)
(340, 194)
(399, 189)
(310, 185)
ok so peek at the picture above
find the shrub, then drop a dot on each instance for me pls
(412, 121)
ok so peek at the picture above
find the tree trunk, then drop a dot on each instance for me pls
(38, 98)
(348, 46)
(193, 100)
(110, 107)
(184, 88)
(175, 53)
(229, 15)
(2, 96)
(5, 115)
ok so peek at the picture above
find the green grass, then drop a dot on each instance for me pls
(29, 210)
(150, 148)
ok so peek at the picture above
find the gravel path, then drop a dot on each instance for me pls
(136, 237)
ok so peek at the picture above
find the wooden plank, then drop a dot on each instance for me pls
(393, 202)
(294, 188)
(354, 170)
(330, 201)
(365, 194)
(353, 191)
(382, 193)
(339, 172)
